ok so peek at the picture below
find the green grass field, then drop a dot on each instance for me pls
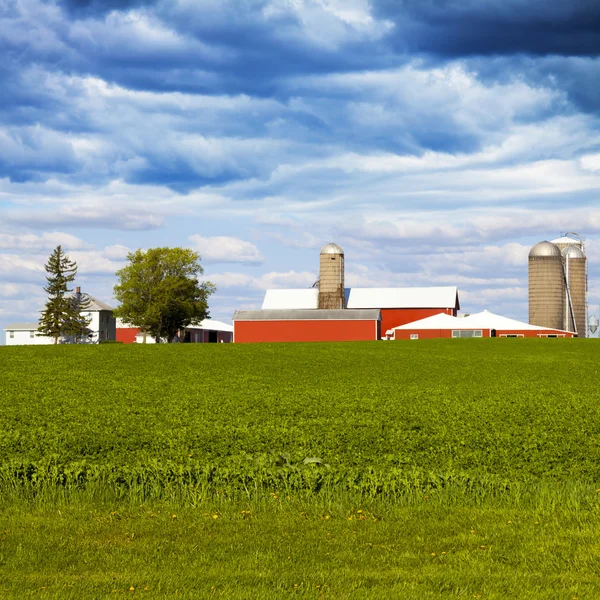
(451, 468)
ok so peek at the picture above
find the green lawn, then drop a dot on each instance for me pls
(451, 468)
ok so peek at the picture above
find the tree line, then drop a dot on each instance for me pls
(158, 292)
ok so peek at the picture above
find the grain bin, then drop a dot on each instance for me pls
(575, 299)
(331, 277)
(546, 286)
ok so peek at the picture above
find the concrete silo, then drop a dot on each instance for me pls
(546, 286)
(575, 299)
(331, 277)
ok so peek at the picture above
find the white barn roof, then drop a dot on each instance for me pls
(482, 320)
(291, 299)
(408, 297)
(211, 325)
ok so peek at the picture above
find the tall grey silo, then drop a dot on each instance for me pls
(546, 286)
(575, 298)
(331, 277)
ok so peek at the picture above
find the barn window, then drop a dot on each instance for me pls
(511, 335)
(414, 336)
(466, 333)
(32, 334)
(11, 334)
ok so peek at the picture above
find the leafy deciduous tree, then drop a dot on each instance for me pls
(159, 291)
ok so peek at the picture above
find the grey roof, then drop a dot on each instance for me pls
(21, 327)
(348, 314)
(544, 249)
(96, 304)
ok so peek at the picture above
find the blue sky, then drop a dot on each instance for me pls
(435, 140)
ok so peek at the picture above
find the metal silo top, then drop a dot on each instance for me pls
(573, 252)
(544, 249)
(568, 239)
(331, 249)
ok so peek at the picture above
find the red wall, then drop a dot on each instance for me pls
(424, 334)
(532, 334)
(304, 331)
(126, 334)
(394, 317)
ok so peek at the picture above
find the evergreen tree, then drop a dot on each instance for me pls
(62, 313)
(77, 325)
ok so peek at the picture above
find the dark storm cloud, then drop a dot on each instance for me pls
(482, 27)
(100, 7)
(227, 48)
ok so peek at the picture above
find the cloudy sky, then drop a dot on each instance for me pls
(435, 140)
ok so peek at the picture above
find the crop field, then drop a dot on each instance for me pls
(450, 468)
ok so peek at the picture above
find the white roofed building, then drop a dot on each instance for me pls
(208, 331)
(483, 324)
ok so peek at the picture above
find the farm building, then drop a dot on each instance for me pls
(331, 312)
(207, 331)
(483, 324)
(102, 327)
(306, 325)
(397, 305)
(25, 334)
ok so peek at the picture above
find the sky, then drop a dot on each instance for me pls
(435, 140)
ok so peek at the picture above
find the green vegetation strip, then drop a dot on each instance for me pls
(368, 417)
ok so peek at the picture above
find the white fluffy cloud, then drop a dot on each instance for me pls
(223, 249)
(45, 241)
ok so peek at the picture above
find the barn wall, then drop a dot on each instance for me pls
(394, 317)
(424, 334)
(304, 331)
(225, 336)
(127, 334)
(532, 334)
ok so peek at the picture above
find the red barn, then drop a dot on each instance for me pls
(404, 305)
(306, 325)
(397, 305)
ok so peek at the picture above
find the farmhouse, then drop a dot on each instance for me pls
(483, 324)
(102, 327)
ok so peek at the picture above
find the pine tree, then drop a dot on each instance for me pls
(77, 325)
(62, 313)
